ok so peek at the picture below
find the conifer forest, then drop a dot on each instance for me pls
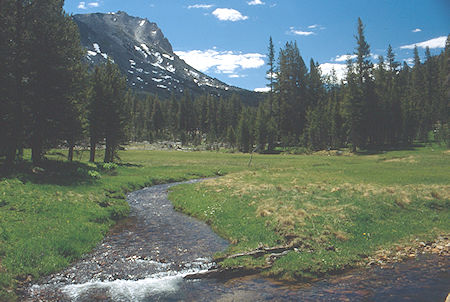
(50, 98)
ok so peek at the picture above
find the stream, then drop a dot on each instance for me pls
(145, 258)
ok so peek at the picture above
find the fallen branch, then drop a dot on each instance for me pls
(233, 272)
(259, 252)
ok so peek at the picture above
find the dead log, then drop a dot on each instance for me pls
(219, 272)
(258, 252)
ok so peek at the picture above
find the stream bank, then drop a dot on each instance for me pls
(147, 257)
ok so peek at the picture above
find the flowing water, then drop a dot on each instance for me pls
(146, 257)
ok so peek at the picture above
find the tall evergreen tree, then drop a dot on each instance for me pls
(271, 63)
(109, 112)
(261, 127)
(354, 108)
(291, 93)
(53, 75)
(418, 98)
(14, 60)
(243, 133)
(360, 96)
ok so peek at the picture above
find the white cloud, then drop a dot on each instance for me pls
(374, 56)
(204, 6)
(340, 69)
(228, 14)
(344, 58)
(256, 2)
(264, 89)
(236, 76)
(300, 32)
(313, 26)
(416, 30)
(432, 43)
(82, 5)
(221, 61)
(409, 61)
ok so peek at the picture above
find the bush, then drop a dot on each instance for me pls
(108, 166)
(94, 174)
(442, 134)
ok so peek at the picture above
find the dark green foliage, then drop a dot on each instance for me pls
(42, 77)
(47, 100)
(372, 108)
(109, 112)
(271, 72)
(243, 133)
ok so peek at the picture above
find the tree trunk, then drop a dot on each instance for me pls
(10, 155)
(36, 151)
(16, 130)
(70, 155)
(92, 151)
(107, 152)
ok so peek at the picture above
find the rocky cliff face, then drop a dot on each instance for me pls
(142, 52)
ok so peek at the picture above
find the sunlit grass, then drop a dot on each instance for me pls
(336, 209)
(52, 215)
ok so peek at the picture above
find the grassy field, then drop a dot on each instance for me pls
(335, 209)
(52, 215)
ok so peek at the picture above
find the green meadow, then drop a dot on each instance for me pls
(335, 209)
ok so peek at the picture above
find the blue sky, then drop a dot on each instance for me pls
(228, 39)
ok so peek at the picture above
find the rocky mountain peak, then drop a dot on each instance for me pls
(144, 55)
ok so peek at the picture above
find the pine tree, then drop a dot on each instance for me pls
(261, 127)
(353, 102)
(317, 128)
(117, 112)
(109, 111)
(444, 78)
(12, 66)
(291, 93)
(271, 63)
(231, 136)
(243, 133)
(418, 98)
(393, 134)
(360, 98)
(432, 88)
(55, 73)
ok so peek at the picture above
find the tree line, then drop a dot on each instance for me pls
(386, 104)
(50, 97)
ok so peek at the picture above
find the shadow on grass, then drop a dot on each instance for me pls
(383, 149)
(51, 172)
(129, 165)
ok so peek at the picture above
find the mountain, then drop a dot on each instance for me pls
(145, 56)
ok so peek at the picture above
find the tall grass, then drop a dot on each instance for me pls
(334, 209)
